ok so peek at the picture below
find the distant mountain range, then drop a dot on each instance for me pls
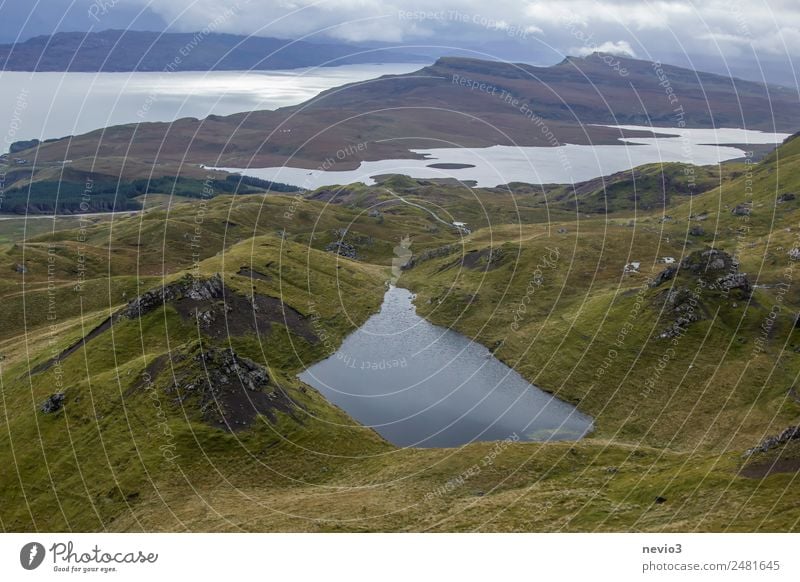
(454, 102)
(467, 102)
(129, 50)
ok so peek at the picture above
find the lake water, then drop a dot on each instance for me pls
(567, 164)
(421, 385)
(49, 105)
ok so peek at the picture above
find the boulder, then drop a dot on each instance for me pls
(741, 210)
(735, 281)
(663, 276)
(54, 403)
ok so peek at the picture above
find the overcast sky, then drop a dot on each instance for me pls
(741, 35)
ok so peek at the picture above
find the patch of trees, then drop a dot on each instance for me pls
(104, 195)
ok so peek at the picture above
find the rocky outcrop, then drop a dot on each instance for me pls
(788, 196)
(712, 273)
(484, 259)
(791, 433)
(430, 254)
(735, 281)
(342, 249)
(54, 403)
(687, 309)
(712, 265)
(188, 287)
(664, 276)
(223, 365)
(200, 300)
(741, 210)
(228, 390)
(709, 262)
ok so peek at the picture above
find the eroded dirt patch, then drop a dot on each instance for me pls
(237, 315)
(477, 260)
(149, 375)
(105, 325)
(761, 469)
(253, 274)
(775, 454)
(227, 390)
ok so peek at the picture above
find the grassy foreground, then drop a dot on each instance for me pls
(537, 281)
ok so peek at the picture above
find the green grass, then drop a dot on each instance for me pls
(678, 433)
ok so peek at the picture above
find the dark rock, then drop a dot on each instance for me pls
(189, 287)
(485, 259)
(222, 363)
(722, 268)
(430, 254)
(54, 403)
(229, 391)
(342, 249)
(246, 271)
(686, 307)
(741, 210)
(19, 146)
(664, 276)
(696, 231)
(786, 197)
(709, 261)
(659, 500)
(20, 268)
(791, 433)
(735, 281)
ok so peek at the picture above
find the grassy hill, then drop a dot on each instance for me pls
(684, 366)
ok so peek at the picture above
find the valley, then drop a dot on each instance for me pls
(185, 412)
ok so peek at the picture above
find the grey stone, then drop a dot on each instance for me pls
(791, 433)
(54, 403)
(741, 210)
